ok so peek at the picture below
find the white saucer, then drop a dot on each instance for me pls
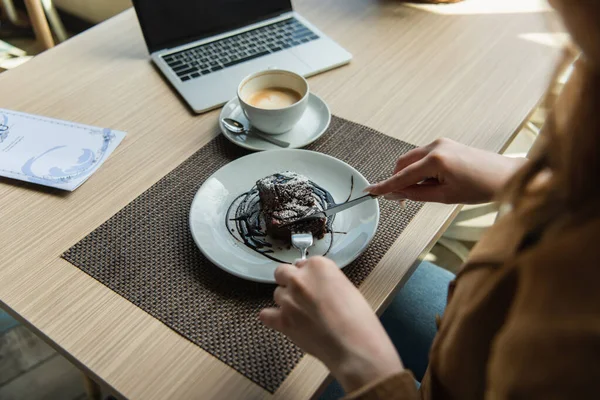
(353, 229)
(313, 124)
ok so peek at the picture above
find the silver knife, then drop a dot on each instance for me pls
(334, 210)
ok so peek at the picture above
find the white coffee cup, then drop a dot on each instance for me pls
(279, 119)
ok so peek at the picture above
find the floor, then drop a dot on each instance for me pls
(32, 370)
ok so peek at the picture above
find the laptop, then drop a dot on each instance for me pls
(205, 48)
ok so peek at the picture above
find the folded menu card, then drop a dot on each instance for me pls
(52, 152)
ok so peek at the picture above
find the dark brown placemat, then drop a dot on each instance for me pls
(146, 254)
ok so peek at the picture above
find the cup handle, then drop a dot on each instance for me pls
(245, 114)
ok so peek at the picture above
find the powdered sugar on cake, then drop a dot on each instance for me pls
(285, 197)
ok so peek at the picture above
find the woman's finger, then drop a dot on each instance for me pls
(283, 273)
(428, 193)
(299, 263)
(396, 196)
(271, 317)
(410, 158)
(411, 175)
(279, 294)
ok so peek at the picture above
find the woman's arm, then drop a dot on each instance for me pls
(323, 313)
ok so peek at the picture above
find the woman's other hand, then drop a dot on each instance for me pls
(322, 312)
(448, 172)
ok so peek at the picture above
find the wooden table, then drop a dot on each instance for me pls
(416, 75)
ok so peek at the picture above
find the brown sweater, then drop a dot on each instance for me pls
(523, 315)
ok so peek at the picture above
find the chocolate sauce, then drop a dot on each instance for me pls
(245, 217)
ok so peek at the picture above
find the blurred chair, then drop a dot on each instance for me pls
(93, 11)
(46, 21)
(43, 17)
(473, 220)
(11, 13)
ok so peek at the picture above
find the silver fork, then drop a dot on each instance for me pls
(302, 241)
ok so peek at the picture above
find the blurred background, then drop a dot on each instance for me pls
(65, 17)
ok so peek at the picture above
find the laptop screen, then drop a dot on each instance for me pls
(169, 23)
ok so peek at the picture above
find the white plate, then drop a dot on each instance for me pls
(211, 204)
(311, 126)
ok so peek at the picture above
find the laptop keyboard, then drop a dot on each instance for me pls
(207, 58)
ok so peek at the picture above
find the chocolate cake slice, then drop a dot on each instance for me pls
(285, 197)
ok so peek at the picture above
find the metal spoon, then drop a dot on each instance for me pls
(237, 128)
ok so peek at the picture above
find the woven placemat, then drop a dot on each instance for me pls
(146, 254)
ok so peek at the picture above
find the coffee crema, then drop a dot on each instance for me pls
(273, 98)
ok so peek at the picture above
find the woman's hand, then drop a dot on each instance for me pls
(448, 172)
(322, 312)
